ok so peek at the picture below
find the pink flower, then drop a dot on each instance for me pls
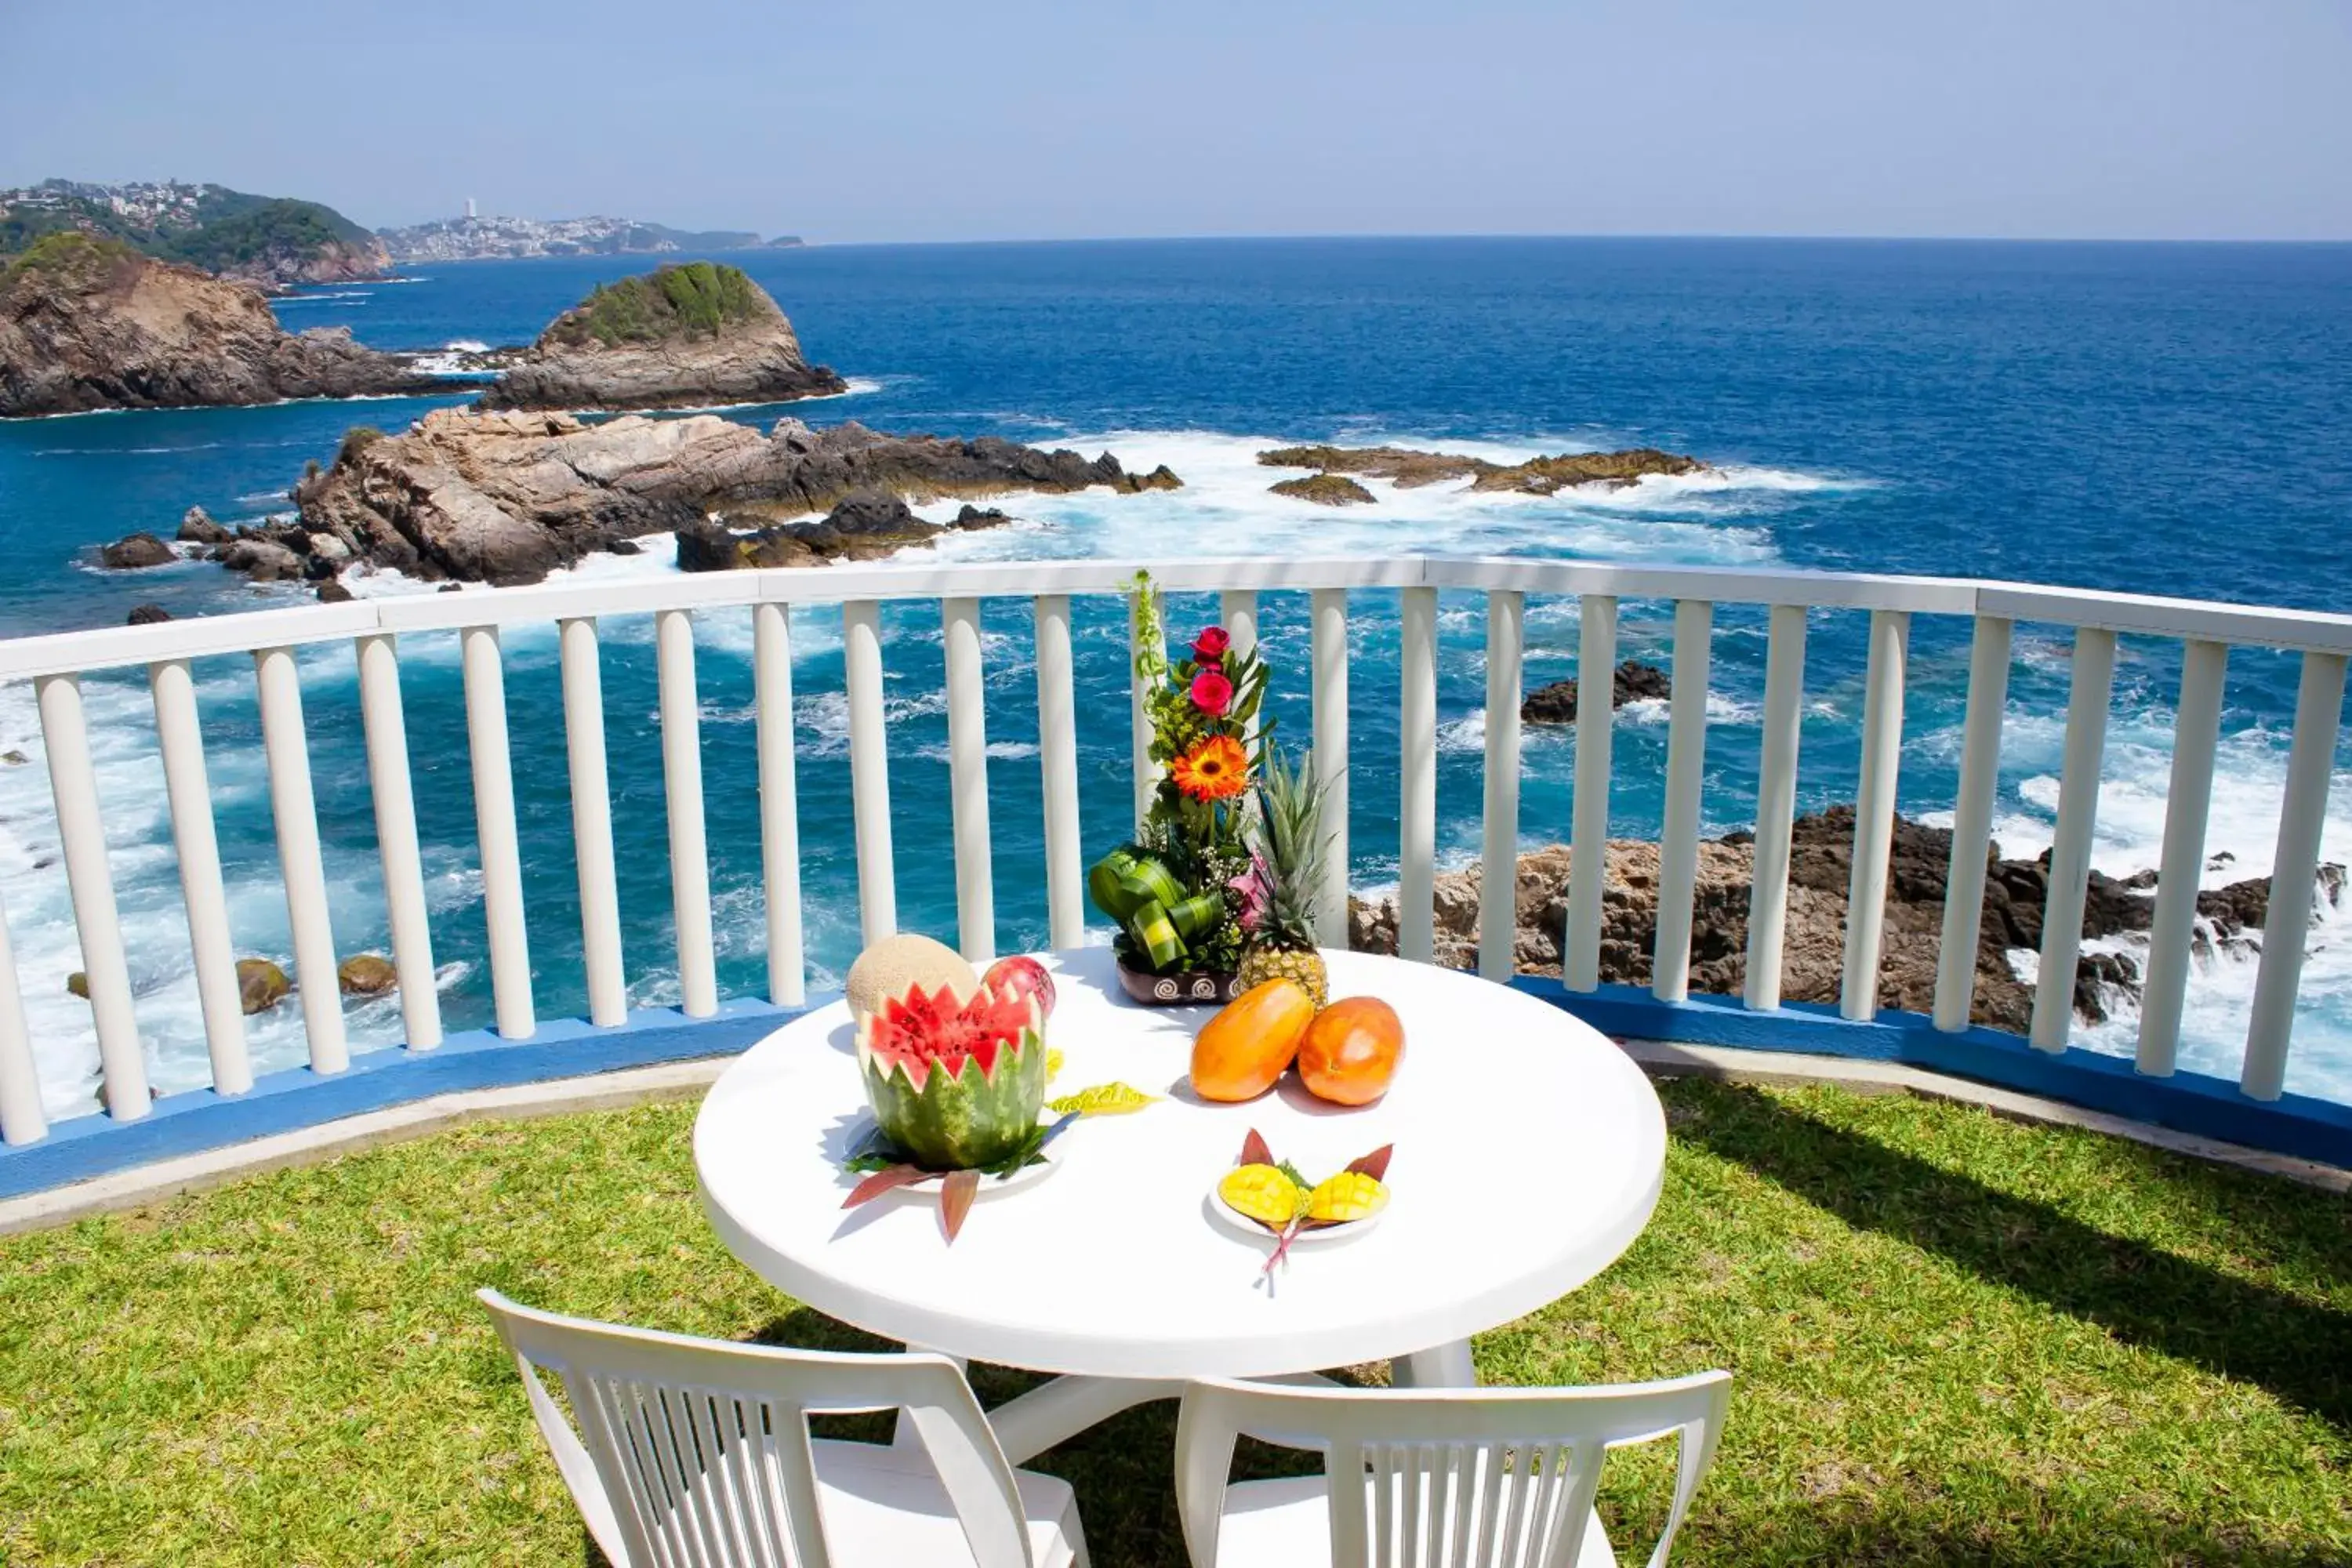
(1211, 644)
(1211, 692)
(1251, 886)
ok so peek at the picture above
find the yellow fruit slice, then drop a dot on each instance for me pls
(1349, 1196)
(1262, 1192)
(1102, 1100)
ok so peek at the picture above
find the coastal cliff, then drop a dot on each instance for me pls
(507, 497)
(678, 337)
(90, 323)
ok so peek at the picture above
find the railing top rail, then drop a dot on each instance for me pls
(29, 658)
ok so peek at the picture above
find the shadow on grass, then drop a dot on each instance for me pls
(2299, 1349)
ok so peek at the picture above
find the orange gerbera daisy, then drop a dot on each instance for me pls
(1216, 769)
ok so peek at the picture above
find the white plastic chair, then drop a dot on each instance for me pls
(695, 1453)
(1474, 1478)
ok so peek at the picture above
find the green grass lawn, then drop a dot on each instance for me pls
(1958, 1340)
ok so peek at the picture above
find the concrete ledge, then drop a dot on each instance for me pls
(2197, 1104)
(685, 1079)
(1665, 1058)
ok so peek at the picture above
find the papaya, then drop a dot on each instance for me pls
(1240, 1053)
(1350, 1052)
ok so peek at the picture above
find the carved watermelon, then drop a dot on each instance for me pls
(956, 1085)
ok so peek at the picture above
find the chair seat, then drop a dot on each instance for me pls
(1288, 1524)
(884, 1507)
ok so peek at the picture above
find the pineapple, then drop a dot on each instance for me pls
(1290, 860)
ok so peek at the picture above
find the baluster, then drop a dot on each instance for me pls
(1329, 609)
(22, 1117)
(869, 768)
(2070, 851)
(494, 820)
(968, 779)
(1417, 771)
(2295, 873)
(73, 784)
(1873, 814)
(1955, 966)
(198, 843)
(690, 857)
(1057, 759)
(1587, 853)
(1237, 610)
(1686, 772)
(1498, 932)
(2196, 733)
(779, 822)
(385, 723)
(1145, 771)
(1776, 804)
(592, 821)
(294, 805)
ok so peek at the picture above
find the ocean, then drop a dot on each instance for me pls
(2158, 419)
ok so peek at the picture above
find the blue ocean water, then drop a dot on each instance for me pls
(2168, 419)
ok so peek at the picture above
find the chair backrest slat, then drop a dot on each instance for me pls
(1448, 1479)
(697, 1454)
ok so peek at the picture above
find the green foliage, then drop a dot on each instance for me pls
(692, 300)
(63, 250)
(1957, 1340)
(230, 228)
(356, 439)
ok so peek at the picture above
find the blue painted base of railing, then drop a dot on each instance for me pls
(88, 1146)
(2186, 1103)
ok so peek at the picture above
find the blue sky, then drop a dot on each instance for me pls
(920, 121)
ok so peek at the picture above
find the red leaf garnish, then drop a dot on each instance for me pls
(881, 1182)
(1376, 1164)
(1254, 1152)
(955, 1200)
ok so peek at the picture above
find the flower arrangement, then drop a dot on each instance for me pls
(1177, 888)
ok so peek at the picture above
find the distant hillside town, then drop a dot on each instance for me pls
(474, 238)
(279, 242)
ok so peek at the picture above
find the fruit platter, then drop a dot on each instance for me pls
(1263, 1196)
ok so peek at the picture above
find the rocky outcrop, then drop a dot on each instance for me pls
(283, 264)
(680, 337)
(866, 527)
(1820, 861)
(89, 324)
(366, 974)
(1409, 470)
(260, 984)
(1323, 489)
(508, 497)
(136, 551)
(197, 527)
(1632, 681)
(147, 616)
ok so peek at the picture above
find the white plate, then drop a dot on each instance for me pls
(1233, 1221)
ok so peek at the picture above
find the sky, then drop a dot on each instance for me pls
(925, 120)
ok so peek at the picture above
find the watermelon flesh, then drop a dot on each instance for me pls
(954, 1085)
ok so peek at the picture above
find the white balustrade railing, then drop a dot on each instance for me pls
(56, 664)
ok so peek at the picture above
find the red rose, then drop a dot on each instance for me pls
(1211, 644)
(1211, 692)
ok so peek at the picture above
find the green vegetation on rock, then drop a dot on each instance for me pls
(68, 250)
(693, 300)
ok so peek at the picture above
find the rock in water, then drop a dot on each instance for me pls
(198, 528)
(89, 323)
(260, 984)
(1409, 470)
(135, 552)
(506, 498)
(366, 974)
(1632, 681)
(1323, 489)
(147, 616)
(678, 337)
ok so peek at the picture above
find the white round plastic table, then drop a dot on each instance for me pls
(1529, 1154)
